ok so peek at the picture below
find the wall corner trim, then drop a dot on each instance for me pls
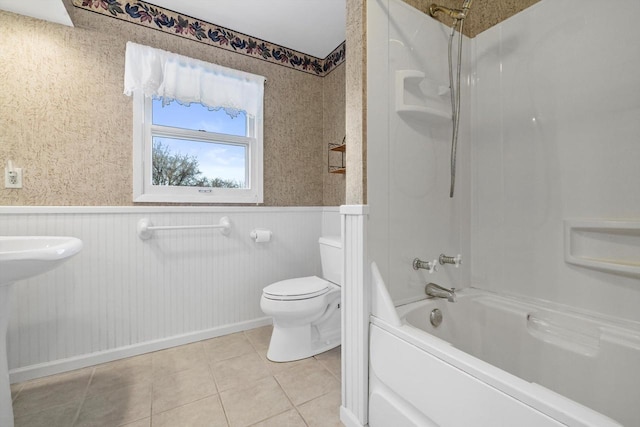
(356, 309)
(354, 209)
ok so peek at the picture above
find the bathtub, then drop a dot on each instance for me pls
(500, 361)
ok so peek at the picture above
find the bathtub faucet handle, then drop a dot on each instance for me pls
(430, 266)
(455, 260)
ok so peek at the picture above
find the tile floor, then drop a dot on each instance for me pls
(224, 381)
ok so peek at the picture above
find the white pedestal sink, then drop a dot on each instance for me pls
(22, 258)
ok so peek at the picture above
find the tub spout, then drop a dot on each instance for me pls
(437, 291)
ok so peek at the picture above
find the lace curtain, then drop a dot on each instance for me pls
(172, 77)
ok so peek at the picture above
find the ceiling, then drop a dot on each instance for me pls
(48, 10)
(314, 27)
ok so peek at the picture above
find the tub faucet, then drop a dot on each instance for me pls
(437, 291)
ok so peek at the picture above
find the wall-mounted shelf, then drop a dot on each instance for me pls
(337, 148)
(607, 245)
(420, 97)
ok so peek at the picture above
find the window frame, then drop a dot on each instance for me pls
(143, 132)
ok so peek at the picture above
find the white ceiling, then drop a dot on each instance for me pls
(314, 27)
(48, 10)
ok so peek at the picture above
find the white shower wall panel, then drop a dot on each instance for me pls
(122, 295)
(555, 137)
(408, 152)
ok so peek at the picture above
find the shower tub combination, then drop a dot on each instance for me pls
(500, 361)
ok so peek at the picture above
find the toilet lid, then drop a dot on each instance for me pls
(299, 288)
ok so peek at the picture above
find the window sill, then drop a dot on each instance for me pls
(160, 198)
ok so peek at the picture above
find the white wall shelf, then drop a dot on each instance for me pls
(420, 97)
(607, 245)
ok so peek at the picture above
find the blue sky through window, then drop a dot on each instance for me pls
(215, 160)
(198, 117)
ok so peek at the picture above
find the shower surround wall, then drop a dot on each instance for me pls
(547, 135)
(556, 137)
(411, 214)
(122, 296)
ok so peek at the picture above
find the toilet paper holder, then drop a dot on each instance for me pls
(260, 235)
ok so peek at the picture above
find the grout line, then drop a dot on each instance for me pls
(339, 378)
(246, 335)
(84, 397)
(153, 383)
(290, 401)
(179, 406)
(224, 410)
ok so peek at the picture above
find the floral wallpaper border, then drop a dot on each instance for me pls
(168, 21)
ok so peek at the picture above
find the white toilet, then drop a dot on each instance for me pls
(306, 310)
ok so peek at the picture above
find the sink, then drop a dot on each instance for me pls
(22, 257)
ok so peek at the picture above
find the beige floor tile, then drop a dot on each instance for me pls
(48, 392)
(121, 373)
(279, 367)
(146, 422)
(116, 408)
(260, 401)
(179, 386)
(57, 416)
(305, 382)
(331, 360)
(206, 413)
(226, 347)
(182, 387)
(323, 411)
(178, 358)
(260, 337)
(15, 390)
(288, 419)
(239, 371)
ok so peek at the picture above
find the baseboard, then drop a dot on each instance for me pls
(63, 365)
(349, 419)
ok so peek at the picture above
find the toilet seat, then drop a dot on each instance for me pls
(296, 289)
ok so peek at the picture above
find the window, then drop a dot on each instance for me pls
(197, 133)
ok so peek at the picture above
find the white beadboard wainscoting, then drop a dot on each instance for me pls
(123, 296)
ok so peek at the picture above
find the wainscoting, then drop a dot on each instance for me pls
(123, 296)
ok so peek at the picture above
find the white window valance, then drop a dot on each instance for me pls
(158, 73)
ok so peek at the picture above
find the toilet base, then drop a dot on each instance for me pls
(289, 343)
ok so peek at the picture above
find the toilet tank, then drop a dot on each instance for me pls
(331, 258)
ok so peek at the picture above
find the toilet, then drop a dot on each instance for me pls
(306, 310)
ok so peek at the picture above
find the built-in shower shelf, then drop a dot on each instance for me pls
(420, 97)
(607, 245)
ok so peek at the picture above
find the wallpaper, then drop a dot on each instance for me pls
(334, 131)
(66, 123)
(356, 179)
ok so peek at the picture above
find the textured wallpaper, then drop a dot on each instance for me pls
(356, 176)
(65, 121)
(334, 131)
